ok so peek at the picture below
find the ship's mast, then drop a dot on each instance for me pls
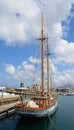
(42, 45)
(42, 38)
(47, 57)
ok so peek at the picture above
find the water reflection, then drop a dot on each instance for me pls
(44, 123)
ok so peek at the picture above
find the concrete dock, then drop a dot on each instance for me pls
(7, 105)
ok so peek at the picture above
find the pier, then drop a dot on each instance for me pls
(7, 104)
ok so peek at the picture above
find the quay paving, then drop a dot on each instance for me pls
(7, 103)
(9, 96)
(5, 99)
(7, 106)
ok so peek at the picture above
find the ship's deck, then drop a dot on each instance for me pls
(43, 103)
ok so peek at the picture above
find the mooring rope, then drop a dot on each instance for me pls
(51, 121)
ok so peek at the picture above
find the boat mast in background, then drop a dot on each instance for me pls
(47, 58)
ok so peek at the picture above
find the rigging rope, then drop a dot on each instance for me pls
(36, 56)
(51, 121)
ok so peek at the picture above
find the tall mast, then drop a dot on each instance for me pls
(42, 38)
(42, 45)
(47, 55)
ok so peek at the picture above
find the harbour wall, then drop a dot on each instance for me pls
(7, 104)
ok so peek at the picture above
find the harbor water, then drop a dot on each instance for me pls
(62, 119)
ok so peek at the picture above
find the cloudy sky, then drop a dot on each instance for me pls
(20, 22)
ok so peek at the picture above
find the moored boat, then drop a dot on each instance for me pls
(42, 102)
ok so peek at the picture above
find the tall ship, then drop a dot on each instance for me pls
(40, 102)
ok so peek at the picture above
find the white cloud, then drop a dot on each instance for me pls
(24, 63)
(29, 74)
(61, 77)
(19, 75)
(65, 52)
(17, 20)
(19, 67)
(10, 69)
(64, 77)
(27, 67)
(34, 60)
(23, 72)
(20, 20)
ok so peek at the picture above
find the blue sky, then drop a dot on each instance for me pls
(70, 36)
(18, 45)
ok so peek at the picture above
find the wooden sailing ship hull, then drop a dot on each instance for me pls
(37, 113)
(39, 103)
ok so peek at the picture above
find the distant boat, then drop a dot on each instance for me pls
(41, 102)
